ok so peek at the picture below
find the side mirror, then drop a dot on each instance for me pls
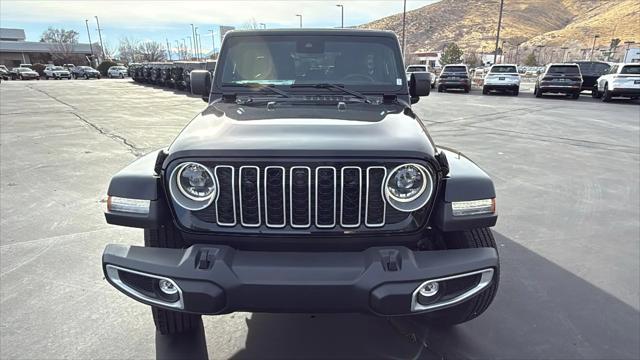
(419, 85)
(200, 83)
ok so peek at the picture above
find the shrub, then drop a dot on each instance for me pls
(39, 68)
(104, 66)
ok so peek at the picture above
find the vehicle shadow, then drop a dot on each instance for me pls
(541, 311)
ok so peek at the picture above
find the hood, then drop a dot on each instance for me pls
(229, 129)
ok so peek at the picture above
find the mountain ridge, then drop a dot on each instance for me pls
(472, 24)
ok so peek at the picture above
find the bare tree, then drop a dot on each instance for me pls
(59, 36)
(152, 51)
(61, 43)
(128, 50)
(251, 24)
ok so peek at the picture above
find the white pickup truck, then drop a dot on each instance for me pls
(56, 72)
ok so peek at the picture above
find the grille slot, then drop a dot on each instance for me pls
(249, 179)
(274, 196)
(226, 201)
(326, 197)
(300, 196)
(350, 196)
(375, 206)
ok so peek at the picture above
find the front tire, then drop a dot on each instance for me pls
(606, 95)
(169, 322)
(537, 92)
(470, 309)
(485, 91)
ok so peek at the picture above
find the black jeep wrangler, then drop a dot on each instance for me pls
(307, 184)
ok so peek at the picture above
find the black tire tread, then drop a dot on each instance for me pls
(475, 238)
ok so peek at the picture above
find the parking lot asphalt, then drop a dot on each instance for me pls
(566, 174)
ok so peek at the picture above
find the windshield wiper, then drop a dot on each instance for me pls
(255, 85)
(335, 87)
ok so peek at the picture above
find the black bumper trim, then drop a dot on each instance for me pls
(378, 280)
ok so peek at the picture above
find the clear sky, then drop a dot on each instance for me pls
(160, 20)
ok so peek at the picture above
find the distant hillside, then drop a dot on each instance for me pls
(472, 23)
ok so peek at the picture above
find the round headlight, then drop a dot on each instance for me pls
(408, 187)
(196, 182)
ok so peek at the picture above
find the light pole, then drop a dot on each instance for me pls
(196, 43)
(193, 33)
(540, 47)
(517, 49)
(594, 45)
(213, 44)
(100, 35)
(300, 16)
(168, 49)
(200, 56)
(191, 47)
(179, 47)
(184, 43)
(341, 15)
(564, 53)
(86, 22)
(495, 53)
(404, 28)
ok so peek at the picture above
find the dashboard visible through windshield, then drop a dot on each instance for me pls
(357, 61)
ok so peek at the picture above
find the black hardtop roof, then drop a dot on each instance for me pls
(312, 32)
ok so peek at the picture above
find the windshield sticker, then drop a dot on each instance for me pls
(398, 81)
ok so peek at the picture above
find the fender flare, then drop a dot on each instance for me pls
(140, 180)
(465, 181)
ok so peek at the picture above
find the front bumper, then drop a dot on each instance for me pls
(220, 279)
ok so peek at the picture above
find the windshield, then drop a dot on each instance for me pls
(631, 69)
(564, 69)
(416, 68)
(456, 69)
(504, 69)
(58, 68)
(297, 59)
(24, 69)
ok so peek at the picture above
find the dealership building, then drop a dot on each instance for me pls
(15, 50)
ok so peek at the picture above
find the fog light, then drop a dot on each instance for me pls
(167, 287)
(429, 289)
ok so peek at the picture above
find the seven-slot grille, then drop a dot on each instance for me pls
(298, 197)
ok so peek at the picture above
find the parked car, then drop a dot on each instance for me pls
(86, 72)
(591, 71)
(421, 68)
(623, 80)
(292, 194)
(502, 78)
(56, 72)
(118, 71)
(4, 73)
(69, 67)
(24, 73)
(454, 76)
(562, 78)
